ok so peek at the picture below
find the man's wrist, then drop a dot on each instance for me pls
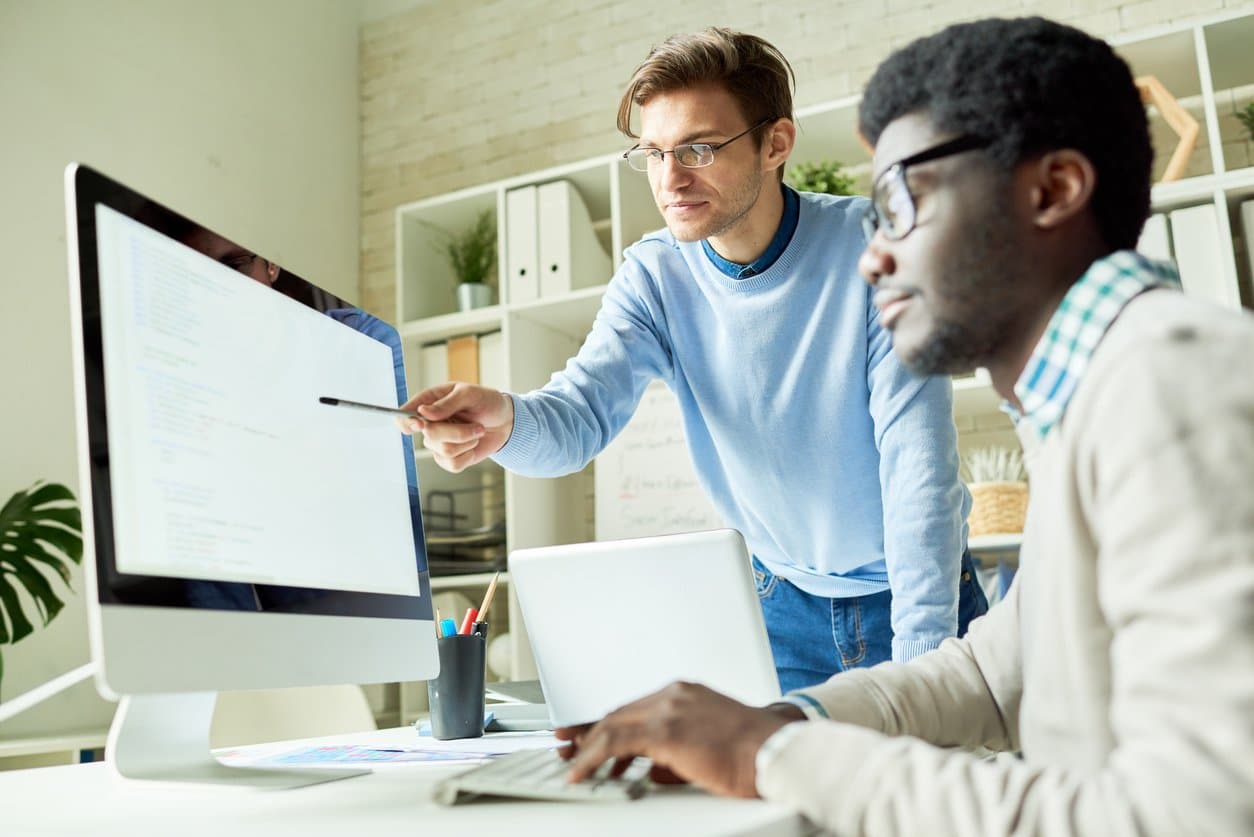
(787, 710)
(811, 709)
(509, 416)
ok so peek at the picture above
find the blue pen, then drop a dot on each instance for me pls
(448, 627)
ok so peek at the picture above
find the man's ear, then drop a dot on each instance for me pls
(1062, 184)
(778, 143)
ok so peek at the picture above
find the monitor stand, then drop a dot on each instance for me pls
(165, 737)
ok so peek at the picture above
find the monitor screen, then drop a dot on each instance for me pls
(224, 466)
(239, 533)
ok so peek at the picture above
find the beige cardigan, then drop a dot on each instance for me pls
(1121, 664)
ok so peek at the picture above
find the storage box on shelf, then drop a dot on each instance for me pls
(1207, 66)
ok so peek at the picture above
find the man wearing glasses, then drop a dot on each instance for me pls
(837, 465)
(1013, 178)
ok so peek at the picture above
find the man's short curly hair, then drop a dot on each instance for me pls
(1031, 85)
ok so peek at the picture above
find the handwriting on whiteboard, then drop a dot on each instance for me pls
(645, 484)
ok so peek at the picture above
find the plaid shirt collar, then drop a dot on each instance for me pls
(1061, 357)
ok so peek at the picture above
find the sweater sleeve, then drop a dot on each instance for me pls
(965, 693)
(562, 426)
(924, 502)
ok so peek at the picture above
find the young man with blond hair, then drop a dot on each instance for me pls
(838, 466)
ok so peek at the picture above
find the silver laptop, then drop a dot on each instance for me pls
(613, 621)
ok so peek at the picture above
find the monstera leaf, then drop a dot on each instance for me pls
(40, 530)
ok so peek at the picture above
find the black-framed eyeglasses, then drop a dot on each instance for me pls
(241, 261)
(693, 155)
(892, 206)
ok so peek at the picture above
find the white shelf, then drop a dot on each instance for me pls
(441, 328)
(996, 549)
(995, 543)
(1200, 189)
(571, 314)
(974, 395)
(457, 582)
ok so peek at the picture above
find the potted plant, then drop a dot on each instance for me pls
(1246, 115)
(472, 255)
(40, 530)
(827, 177)
(999, 491)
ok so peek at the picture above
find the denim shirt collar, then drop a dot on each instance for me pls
(783, 235)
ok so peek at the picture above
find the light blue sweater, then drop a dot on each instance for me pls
(838, 466)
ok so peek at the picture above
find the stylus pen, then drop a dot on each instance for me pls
(375, 408)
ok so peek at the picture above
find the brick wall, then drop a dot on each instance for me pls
(455, 94)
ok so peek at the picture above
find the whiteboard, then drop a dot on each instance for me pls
(645, 481)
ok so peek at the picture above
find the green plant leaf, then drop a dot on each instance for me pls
(823, 176)
(49, 492)
(39, 527)
(69, 518)
(11, 613)
(36, 583)
(1246, 117)
(471, 253)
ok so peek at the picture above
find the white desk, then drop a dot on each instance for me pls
(395, 800)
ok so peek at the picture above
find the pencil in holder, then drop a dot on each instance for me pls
(456, 694)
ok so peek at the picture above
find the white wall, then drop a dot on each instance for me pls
(241, 114)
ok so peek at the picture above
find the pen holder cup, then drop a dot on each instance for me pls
(456, 694)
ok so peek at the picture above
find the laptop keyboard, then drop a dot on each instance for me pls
(541, 774)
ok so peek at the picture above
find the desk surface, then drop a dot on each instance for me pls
(395, 799)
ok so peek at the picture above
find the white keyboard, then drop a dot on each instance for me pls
(541, 774)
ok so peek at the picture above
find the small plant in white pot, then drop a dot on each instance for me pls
(472, 256)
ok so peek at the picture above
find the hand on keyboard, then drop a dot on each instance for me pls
(541, 774)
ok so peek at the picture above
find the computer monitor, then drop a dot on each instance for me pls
(238, 533)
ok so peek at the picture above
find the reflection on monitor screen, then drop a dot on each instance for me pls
(243, 534)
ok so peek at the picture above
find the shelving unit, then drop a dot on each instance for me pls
(998, 558)
(1207, 65)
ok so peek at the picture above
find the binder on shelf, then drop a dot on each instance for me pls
(1155, 242)
(492, 361)
(1247, 237)
(570, 255)
(521, 245)
(434, 364)
(1195, 234)
(463, 359)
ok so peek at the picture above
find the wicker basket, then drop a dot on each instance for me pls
(997, 508)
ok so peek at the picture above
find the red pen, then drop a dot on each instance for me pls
(471, 616)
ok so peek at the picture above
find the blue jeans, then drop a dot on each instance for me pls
(813, 637)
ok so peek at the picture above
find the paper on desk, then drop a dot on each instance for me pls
(423, 750)
(496, 744)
